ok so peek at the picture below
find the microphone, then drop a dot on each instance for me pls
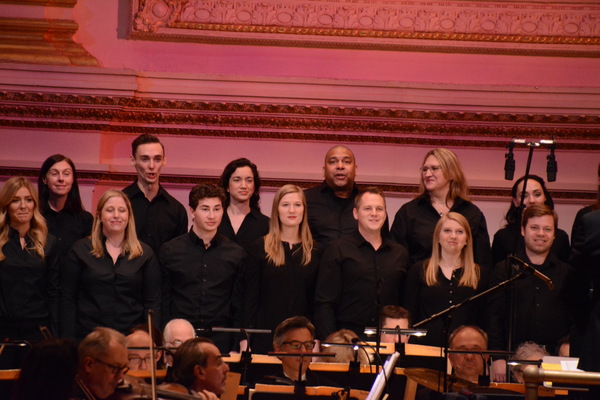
(551, 167)
(534, 271)
(509, 165)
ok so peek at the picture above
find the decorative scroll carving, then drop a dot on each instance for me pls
(371, 24)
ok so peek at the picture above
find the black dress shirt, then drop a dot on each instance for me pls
(159, 220)
(423, 301)
(351, 275)
(204, 286)
(415, 222)
(254, 226)
(276, 293)
(329, 216)
(97, 292)
(29, 288)
(508, 237)
(541, 314)
(68, 227)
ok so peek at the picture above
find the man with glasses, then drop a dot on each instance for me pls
(138, 344)
(176, 332)
(102, 364)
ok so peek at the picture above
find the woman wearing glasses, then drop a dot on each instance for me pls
(111, 279)
(282, 268)
(443, 189)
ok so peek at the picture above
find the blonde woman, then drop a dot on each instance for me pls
(447, 278)
(443, 189)
(282, 269)
(28, 265)
(110, 279)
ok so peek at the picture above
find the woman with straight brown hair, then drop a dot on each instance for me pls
(282, 267)
(111, 279)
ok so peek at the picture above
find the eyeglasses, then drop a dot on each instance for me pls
(434, 169)
(136, 361)
(114, 369)
(297, 345)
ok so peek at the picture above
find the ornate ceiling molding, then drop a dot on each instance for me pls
(506, 27)
(296, 122)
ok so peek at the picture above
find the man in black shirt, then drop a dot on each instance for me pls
(330, 204)
(360, 273)
(202, 270)
(159, 217)
(542, 314)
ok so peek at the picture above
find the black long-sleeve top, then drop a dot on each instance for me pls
(157, 221)
(351, 273)
(423, 301)
(97, 292)
(68, 227)
(29, 285)
(329, 216)
(276, 293)
(204, 286)
(254, 226)
(542, 315)
(509, 240)
(415, 222)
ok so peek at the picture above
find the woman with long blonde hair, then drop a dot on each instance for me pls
(443, 189)
(447, 278)
(28, 265)
(110, 279)
(282, 267)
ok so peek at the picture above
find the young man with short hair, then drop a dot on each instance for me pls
(202, 270)
(159, 217)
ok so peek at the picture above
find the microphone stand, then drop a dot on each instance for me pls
(300, 385)
(449, 310)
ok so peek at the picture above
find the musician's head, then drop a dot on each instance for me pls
(468, 365)
(538, 229)
(294, 335)
(103, 361)
(393, 317)
(198, 365)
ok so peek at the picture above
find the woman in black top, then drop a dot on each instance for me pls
(447, 278)
(60, 202)
(443, 189)
(111, 279)
(242, 220)
(282, 269)
(28, 265)
(509, 240)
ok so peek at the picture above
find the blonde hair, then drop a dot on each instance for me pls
(344, 354)
(452, 171)
(470, 275)
(273, 245)
(131, 245)
(38, 230)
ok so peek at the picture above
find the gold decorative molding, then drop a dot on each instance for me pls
(507, 27)
(40, 41)
(305, 123)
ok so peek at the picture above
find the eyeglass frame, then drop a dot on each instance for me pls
(114, 369)
(300, 344)
(433, 168)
